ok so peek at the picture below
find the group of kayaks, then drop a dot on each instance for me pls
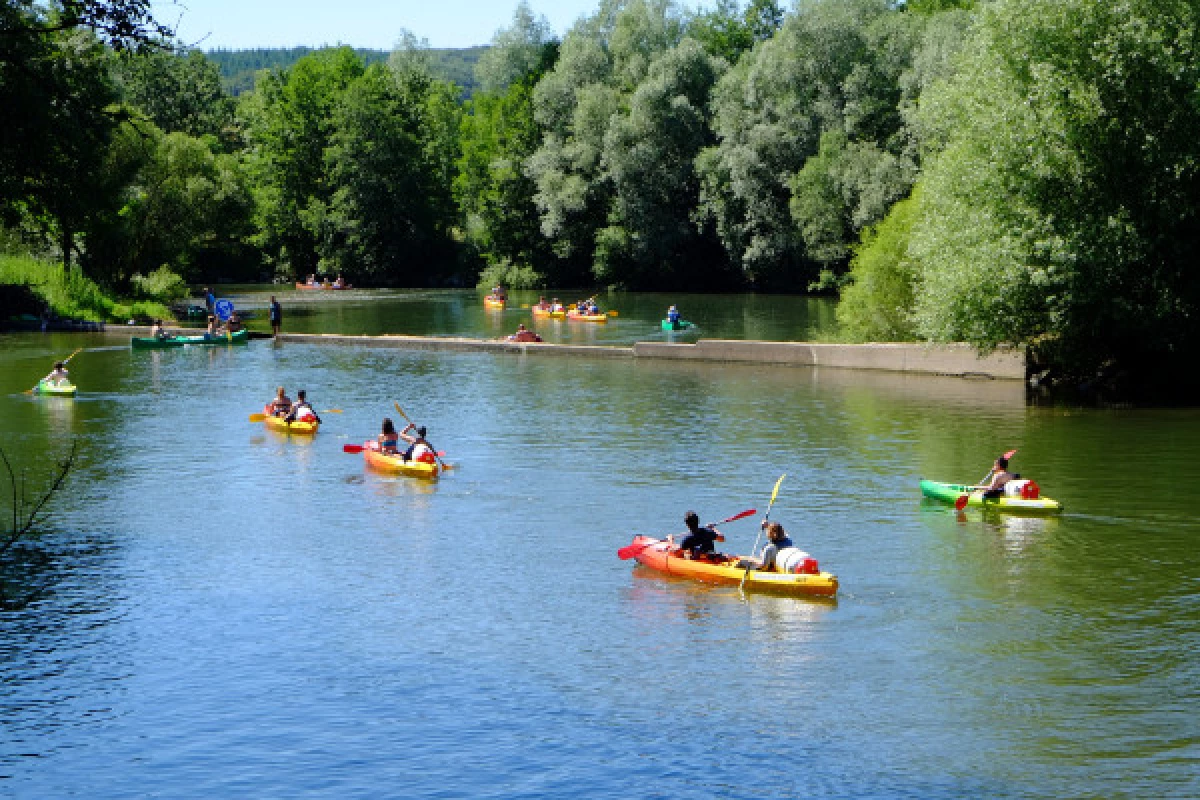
(372, 454)
(539, 311)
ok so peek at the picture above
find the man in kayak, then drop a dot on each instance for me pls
(699, 542)
(993, 484)
(673, 315)
(158, 331)
(418, 448)
(302, 410)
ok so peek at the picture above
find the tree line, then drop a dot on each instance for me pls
(1014, 171)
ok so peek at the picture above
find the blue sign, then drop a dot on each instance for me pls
(224, 309)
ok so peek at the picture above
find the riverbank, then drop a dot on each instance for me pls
(32, 289)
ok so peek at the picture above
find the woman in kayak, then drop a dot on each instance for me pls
(389, 440)
(281, 405)
(777, 539)
(699, 542)
(993, 484)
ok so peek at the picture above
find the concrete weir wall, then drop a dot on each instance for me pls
(958, 359)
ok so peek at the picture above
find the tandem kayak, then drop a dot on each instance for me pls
(950, 492)
(662, 556)
(55, 389)
(152, 342)
(580, 317)
(677, 325)
(494, 303)
(396, 465)
(281, 424)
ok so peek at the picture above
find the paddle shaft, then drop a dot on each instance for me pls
(767, 516)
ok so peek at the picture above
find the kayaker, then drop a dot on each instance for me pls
(212, 326)
(777, 539)
(158, 331)
(235, 323)
(699, 541)
(210, 300)
(302, 410)
(389, 440)
(993, 484)
(673, 315)
(418, 448)
(523, 334)
(281, 405)
(542, 304)
(58, 375)
(276, 315)
(556, 305)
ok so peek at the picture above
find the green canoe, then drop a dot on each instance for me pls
(950, 492)
(149, 342)
(677, 325)
(55, 390)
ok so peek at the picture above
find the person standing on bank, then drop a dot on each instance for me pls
(276, 315)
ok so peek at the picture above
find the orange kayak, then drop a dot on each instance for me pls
(662, 556)
(493, 303)
(580, 317)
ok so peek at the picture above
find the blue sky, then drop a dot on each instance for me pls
(211, 24)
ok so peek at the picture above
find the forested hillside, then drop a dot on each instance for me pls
(1014, 171)
(239, 67)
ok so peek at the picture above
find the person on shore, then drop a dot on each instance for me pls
(210, 300)
(58, 376)
(389, 440)
(281, 405)
(302, 410)
(275, 314)
(699, 542)
(418, 448)
(993, 484)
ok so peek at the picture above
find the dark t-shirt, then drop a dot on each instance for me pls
(700, 541)
(276, 312)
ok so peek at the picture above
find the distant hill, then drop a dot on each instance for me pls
(238, 67)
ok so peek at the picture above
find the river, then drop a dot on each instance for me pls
(233, 612)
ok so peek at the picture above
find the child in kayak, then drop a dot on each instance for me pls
(302, 410)
(699, 542)
(281, 405)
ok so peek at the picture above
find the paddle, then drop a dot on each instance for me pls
(766, 516)
(613, 313)
(358, 448)
(961, 502)
(441, 463)
(65, 360)
(630, 550)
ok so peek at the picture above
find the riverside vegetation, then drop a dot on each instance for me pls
(1008, 172)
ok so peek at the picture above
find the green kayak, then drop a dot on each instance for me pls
(55, 389)
(950, 492)
(149, 342)
(677, 325)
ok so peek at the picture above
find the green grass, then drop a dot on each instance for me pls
(71, 294)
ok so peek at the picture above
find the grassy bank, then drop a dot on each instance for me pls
(69, 293)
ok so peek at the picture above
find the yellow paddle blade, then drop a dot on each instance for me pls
(400, 411)
(775, 493)
(613, 314)
(257, 417)
(331, 411)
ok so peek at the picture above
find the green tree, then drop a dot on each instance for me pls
(1060, 203)
(179, 93)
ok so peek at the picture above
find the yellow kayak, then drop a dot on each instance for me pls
(283, 426)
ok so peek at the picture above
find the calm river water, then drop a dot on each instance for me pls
(239, 613)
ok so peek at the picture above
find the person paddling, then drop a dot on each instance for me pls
(699, 542)
(302, 410)
(993, 484)
(418, 448)
(777, 539)
(58, 376)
